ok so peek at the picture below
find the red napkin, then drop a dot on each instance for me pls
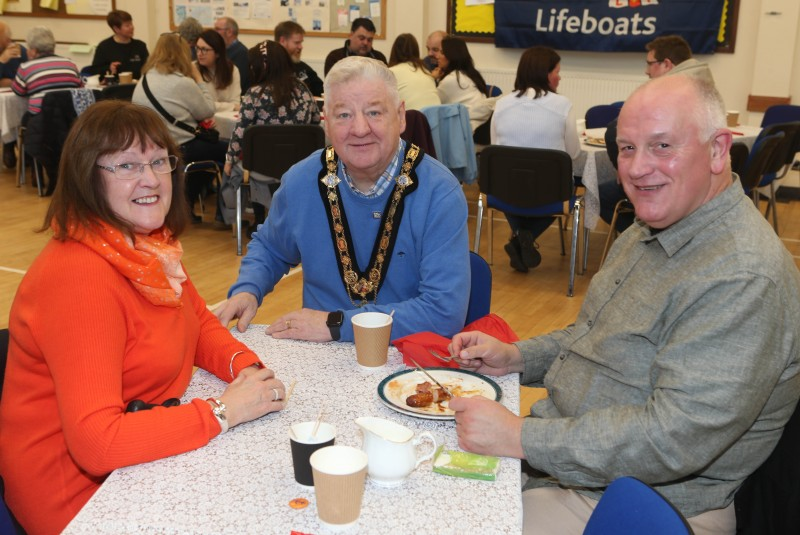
(417, 345)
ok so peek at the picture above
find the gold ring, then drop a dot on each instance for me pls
(288, 324)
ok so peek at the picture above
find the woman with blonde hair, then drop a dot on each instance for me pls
(414, 81)
(175, 84)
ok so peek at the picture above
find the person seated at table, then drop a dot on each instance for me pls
(534, 116)
(96, 369)
(190, 29)
(44, 72)
(666, 55)
(236, 51)
(377, 225)
(461, 83)
(434, 47)
(290, 36)
(362, 33)
(11, 56)
(277, 96)
(662, 376)
(120, 52)
(414, 81)
(178, 87)
(219, 73)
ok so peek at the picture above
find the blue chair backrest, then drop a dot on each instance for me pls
(480, 291)
(761, 156)
(599, 116)
(781, 113)
(493, 90)
(631, 506)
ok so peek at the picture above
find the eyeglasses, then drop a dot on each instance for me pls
(654, 61)
(203, 50)
(131, 170)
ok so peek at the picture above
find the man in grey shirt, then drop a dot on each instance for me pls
(682, 366)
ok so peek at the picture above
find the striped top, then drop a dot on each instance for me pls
(36, 77)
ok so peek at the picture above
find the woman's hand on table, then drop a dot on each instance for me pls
(304, 324)
(487, 427)
(482, 353)
(242, 305)
(254, 393)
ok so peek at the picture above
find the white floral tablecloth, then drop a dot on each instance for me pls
(242, 482)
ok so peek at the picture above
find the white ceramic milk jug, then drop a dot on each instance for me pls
(392, 450)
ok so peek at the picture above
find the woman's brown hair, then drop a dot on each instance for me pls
(171, 55)
(406, 50)
(535, 65)
(271, 66)
(223, 67)
(80, 196)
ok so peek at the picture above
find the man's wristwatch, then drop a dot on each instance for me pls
(334, 323)
(219, 408)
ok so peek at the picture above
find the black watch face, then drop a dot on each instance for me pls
(335, 319)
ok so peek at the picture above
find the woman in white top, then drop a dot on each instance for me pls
(415, 84)
(535, 116)
(461, 83)
(219, 73)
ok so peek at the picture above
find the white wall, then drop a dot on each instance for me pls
(733, 73)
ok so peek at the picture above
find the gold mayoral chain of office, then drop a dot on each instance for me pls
(363, 287)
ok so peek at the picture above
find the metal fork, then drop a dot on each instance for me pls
(440, 356)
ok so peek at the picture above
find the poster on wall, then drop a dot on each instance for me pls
(606, 25)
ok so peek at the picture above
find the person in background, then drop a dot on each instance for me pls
(11, 56)
(176, 84)
(370, 236)
(461, 83)
(277, 96)
(414, 82)
(96, 371)
(120, 52)
(218, 72)
(190, 29)
(671, 54)
(434, 47)
(534, 115)
(662, 376)
(362, 32)
(290, 36)
(235, 50)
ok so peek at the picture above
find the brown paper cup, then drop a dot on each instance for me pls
(733, 118)
(126, 77)
(372, 332)
(339, 475)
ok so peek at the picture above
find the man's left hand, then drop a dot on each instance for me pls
(303, 324)
(487, 427)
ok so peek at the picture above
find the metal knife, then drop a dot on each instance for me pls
(429, 376)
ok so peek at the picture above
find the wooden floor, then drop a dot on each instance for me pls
(531, 303)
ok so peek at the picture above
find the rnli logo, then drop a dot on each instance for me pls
(632, 3)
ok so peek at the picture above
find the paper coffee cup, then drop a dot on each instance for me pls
(126, 77)
(372, 332)
(733, 118)
(304, 445)
(339, 475)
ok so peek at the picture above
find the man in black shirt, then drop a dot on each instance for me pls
(290, 36)
(120, 52)
(362, 32)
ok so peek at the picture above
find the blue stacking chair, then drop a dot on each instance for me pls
(599, 116)
(630, 506)
(781, 113)
(480, 290)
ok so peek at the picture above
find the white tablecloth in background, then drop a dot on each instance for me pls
(12, 108)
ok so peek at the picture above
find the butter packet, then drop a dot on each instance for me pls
(463, 464)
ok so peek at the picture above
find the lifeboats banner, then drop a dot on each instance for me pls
(606, 25)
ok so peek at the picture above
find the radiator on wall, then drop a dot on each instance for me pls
(583, 89)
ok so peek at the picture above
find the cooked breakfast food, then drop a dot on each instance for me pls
(426, 395)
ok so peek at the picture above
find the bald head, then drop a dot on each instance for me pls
(673, 148)
(434, 45)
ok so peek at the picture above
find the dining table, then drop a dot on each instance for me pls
(12, 108)
(596, 168)
(226, 122)
(243, 481)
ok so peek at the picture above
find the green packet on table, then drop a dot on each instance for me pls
(463, 464)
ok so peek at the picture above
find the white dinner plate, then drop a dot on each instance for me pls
(595, 142)
(394, 390)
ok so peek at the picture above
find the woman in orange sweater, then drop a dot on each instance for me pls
(106, 326)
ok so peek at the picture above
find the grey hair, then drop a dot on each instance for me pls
(41, 39)
(360, 68)
(190, 29)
